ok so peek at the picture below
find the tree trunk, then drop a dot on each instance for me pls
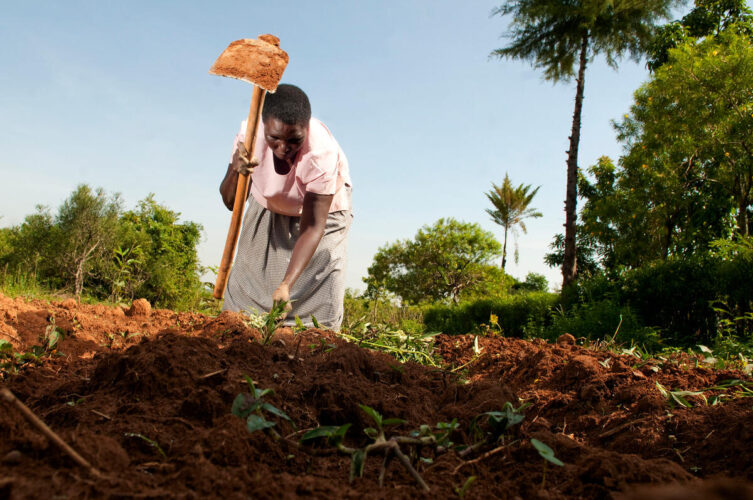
(569, 263)
(504, 250)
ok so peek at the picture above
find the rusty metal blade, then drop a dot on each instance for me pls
(259, 61)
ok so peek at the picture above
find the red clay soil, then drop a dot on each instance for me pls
(124, 380)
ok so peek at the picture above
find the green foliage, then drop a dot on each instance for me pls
(685, 300)
(550, 33)
(587, 252)
(403, 345)
(517, 314)
(491, 426)
(440, 263)
(511, 209)
(534, 282)
(251, 406)
(92, 245)
(168, 272)
(708, 19)
(688, 169)
(603, 319)
(546, 452)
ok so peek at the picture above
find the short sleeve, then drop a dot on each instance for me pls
(321, 175)
(239, 137)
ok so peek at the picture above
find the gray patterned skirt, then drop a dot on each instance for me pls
(264, 248)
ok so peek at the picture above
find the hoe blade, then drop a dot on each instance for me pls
(259, 61)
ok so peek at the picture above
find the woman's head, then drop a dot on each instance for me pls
(286, 116)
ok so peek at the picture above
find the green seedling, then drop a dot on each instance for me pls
(151, 442)
(461, 491)
(299, 326)
(252, 407)
(53, 335)
(498, 422)
(272, 321)
(389, 447)
(439, 436)
(548, 455)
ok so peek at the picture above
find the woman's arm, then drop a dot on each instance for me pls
(240, 164)
(313, 222)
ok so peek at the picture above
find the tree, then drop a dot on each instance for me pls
(709, 18)
(511, 209)
(440, 263)
(553, 34)
(691, 130)
(165, 266)
(87, 221)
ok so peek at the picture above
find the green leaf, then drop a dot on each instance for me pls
(357, 462)
(339, 435)
(375, 415)
(314, 321)
(244, 404)
(324, 431)
(264, 392)
(371, 432)
(392, 421)
(255, 423)
(251, 386)
(275, 411)
(546, 452)
(462, 490)
(6, 347)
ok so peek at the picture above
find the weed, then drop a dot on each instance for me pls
(404, 346)
(252, 407)
(151, 442)
(497, 423)
(461, 491)
(548, 455)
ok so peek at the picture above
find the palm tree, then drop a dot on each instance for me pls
(553, 34)
(511, 209)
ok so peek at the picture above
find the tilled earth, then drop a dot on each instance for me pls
(146, 395)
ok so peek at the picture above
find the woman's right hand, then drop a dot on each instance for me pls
(241, 163)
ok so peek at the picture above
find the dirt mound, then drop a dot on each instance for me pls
(147, 399)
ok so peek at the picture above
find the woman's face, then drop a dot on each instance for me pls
(284, 139)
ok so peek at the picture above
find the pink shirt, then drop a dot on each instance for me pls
(321, 168)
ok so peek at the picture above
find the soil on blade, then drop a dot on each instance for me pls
(146, 395)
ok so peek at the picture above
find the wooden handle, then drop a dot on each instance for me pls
(241, 192)
(9, 397)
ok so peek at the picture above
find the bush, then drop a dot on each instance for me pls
(517, 315)
(601, 320)
(679, 297)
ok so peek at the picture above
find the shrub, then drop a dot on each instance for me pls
(517, 314)
(600, 320)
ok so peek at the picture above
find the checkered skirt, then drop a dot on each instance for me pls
(264, 248)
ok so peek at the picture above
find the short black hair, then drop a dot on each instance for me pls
(289, 104)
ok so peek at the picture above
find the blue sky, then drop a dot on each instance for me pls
(117, 95)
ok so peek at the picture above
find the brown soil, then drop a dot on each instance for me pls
(172, 377)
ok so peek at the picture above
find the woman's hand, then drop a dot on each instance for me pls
(282, 294)
(241, 163)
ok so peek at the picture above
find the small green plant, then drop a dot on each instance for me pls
(254, 409)
(53, 335)
(497, 423)
(548, 455)
(404, 346)
(151, 442)
(389, 447)
(462, 490)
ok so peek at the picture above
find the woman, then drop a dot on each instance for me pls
(293, 243)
